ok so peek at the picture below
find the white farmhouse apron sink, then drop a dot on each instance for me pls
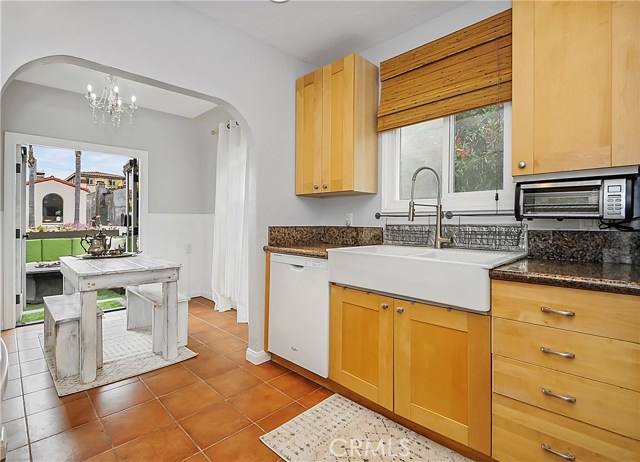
(451, 277)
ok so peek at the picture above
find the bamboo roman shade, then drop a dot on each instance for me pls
(465, 70)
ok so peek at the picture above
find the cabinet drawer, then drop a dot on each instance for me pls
(597, 313)
(519, 430)
(603, 359)
(605, 406)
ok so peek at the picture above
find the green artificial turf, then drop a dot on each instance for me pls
(111, 304)
(36, 306)
(31, 317)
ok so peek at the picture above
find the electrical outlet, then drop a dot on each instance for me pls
(187, 248)
(348, 219)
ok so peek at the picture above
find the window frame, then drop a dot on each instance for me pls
(477, 202)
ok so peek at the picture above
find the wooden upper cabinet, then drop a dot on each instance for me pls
(308, 132)
(575, 85)
(336, 138)
(625, 83)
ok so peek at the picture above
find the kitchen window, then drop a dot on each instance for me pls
(470, 150)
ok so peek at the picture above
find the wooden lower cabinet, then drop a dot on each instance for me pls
(521, 433)
(429, 364)
(565, 374)
(361, 344)
(442, 371)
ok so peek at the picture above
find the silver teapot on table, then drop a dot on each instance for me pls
(97, 244)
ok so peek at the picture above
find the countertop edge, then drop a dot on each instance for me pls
(318, 252)
(567, 281)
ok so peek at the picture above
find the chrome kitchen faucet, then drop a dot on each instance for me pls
(439, 240)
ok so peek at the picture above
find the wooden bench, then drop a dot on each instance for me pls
(61, 333)
(145, 309)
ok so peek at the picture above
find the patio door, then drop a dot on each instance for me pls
(131, 172)
(21, 227)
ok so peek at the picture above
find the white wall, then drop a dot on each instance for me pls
(170, 43)
(175, 175)
(68, 195)
(178, 184)
(365, 207)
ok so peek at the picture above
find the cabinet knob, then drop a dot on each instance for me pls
(400, 310)
(324, 186)
(385, 306)
(315, 186)
(522, 164)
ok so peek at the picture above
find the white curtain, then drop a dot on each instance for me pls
(230, 256)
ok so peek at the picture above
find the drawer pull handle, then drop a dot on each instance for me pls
(559, 353)
(547, 448)
(567, 398)
(546, 309)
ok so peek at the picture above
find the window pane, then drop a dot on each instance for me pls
(421, 144)
(478, 150)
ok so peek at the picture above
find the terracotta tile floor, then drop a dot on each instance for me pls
(209, 408)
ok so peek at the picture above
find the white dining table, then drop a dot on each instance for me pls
(87, 276)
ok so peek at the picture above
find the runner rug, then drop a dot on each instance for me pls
(339, 430)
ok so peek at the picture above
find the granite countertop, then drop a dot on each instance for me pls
(313, 241)
(605, 277)
(311, 250)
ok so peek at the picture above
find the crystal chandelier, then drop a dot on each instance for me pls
(110, 103)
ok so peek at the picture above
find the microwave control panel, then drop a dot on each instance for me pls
(614, 197)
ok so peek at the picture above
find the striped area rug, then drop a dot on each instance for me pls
(339, 430)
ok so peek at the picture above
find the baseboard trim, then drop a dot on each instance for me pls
(257, 357)
(206, 294)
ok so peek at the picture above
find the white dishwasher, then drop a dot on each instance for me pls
(299, 311)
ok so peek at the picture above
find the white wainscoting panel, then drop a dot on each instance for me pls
(186, 239)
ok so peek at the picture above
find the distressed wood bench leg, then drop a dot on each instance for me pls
(139, 315)
(99, 358)
(63, 316)
(159, 321)
(49, 338)
(67, 351)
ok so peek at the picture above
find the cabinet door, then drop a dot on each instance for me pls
(625, 83)
(309, 133)
(338, 125)
(442, 371)
(562, 86)
(361, 344)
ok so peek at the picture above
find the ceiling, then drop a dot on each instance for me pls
(76, 78)
(319, 32)
(313, 31)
